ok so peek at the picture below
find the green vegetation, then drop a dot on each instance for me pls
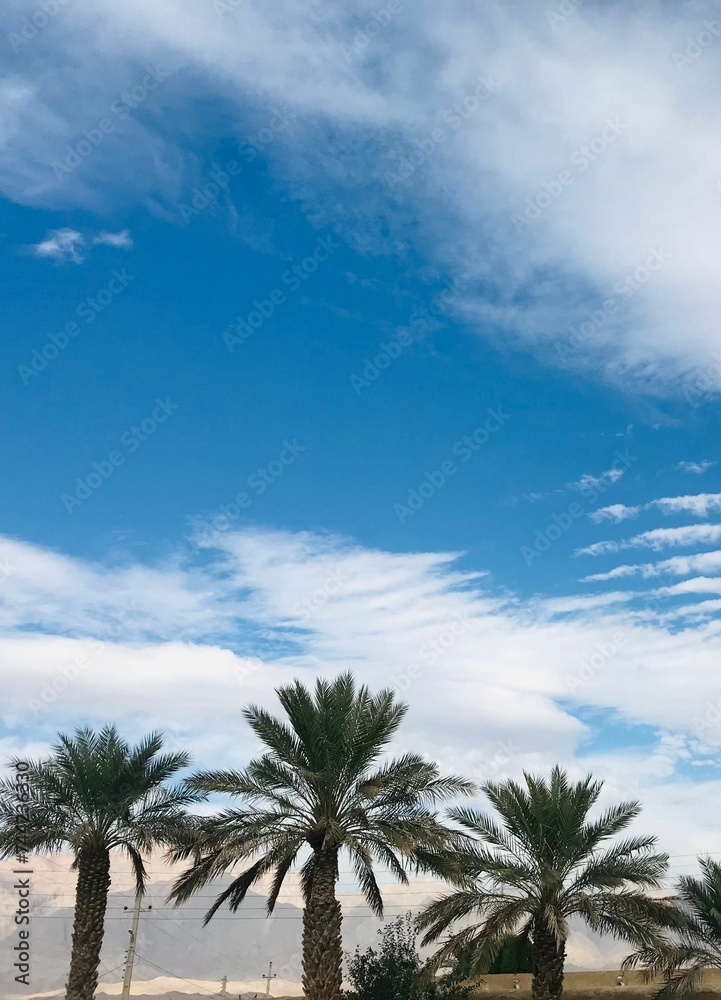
(543, 863)
(393, 971)
(95, 794)
(681, 960)
(324, 786)
(319, 789)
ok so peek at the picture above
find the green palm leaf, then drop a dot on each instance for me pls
(539, 862)
(95, 794)
(322, 787)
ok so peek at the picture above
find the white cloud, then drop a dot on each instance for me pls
(658, 538)
(266, 606)
(495, 684)
(703, 562)
(599, 549)
(122, 240)
(691, 534)
(700, 505)
(695, 467)
(578, 280)
(61, 245)
(614, 512)
(696, 585)
(590, 482)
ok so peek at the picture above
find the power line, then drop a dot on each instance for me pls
(110, 972)
(204, 944)
(170, 872)
(167, 972)
(241, 916)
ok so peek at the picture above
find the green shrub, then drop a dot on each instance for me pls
(392, 971)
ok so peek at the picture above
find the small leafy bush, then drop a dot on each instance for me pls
(392, 970)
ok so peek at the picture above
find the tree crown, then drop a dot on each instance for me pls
(322, 784)
(96, 792)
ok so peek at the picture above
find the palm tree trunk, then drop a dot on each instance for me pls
(91, 897)
(548, 960)
(322, 942)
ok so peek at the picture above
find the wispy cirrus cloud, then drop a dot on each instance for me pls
(61, 245)
(495, 685)
(614, 512)
(702, 562)
(696, 585)
(255, 608)
(577, 121)
(122, 239)
(658, 538)
(697, 468)
(71, 246)
(699, 504)
(589, 481)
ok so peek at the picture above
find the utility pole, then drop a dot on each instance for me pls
(130, 958)
(224, 987)
(271, 975)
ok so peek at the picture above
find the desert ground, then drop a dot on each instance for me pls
(584, 985)
(591, 985)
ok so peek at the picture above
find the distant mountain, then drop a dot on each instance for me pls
(173, 944)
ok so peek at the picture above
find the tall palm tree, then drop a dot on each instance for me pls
(94, 794)
(543, 863)
(319, 789)
(681, 960)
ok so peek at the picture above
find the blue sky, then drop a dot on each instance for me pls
(336, 337)
(369, 435)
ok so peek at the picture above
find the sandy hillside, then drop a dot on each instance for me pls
(585, 985)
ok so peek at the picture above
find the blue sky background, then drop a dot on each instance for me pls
(366, 445)
(558, 170)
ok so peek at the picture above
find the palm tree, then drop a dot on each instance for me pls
(682, 961)
(320, 789)
(95, 794)
(544, 863)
